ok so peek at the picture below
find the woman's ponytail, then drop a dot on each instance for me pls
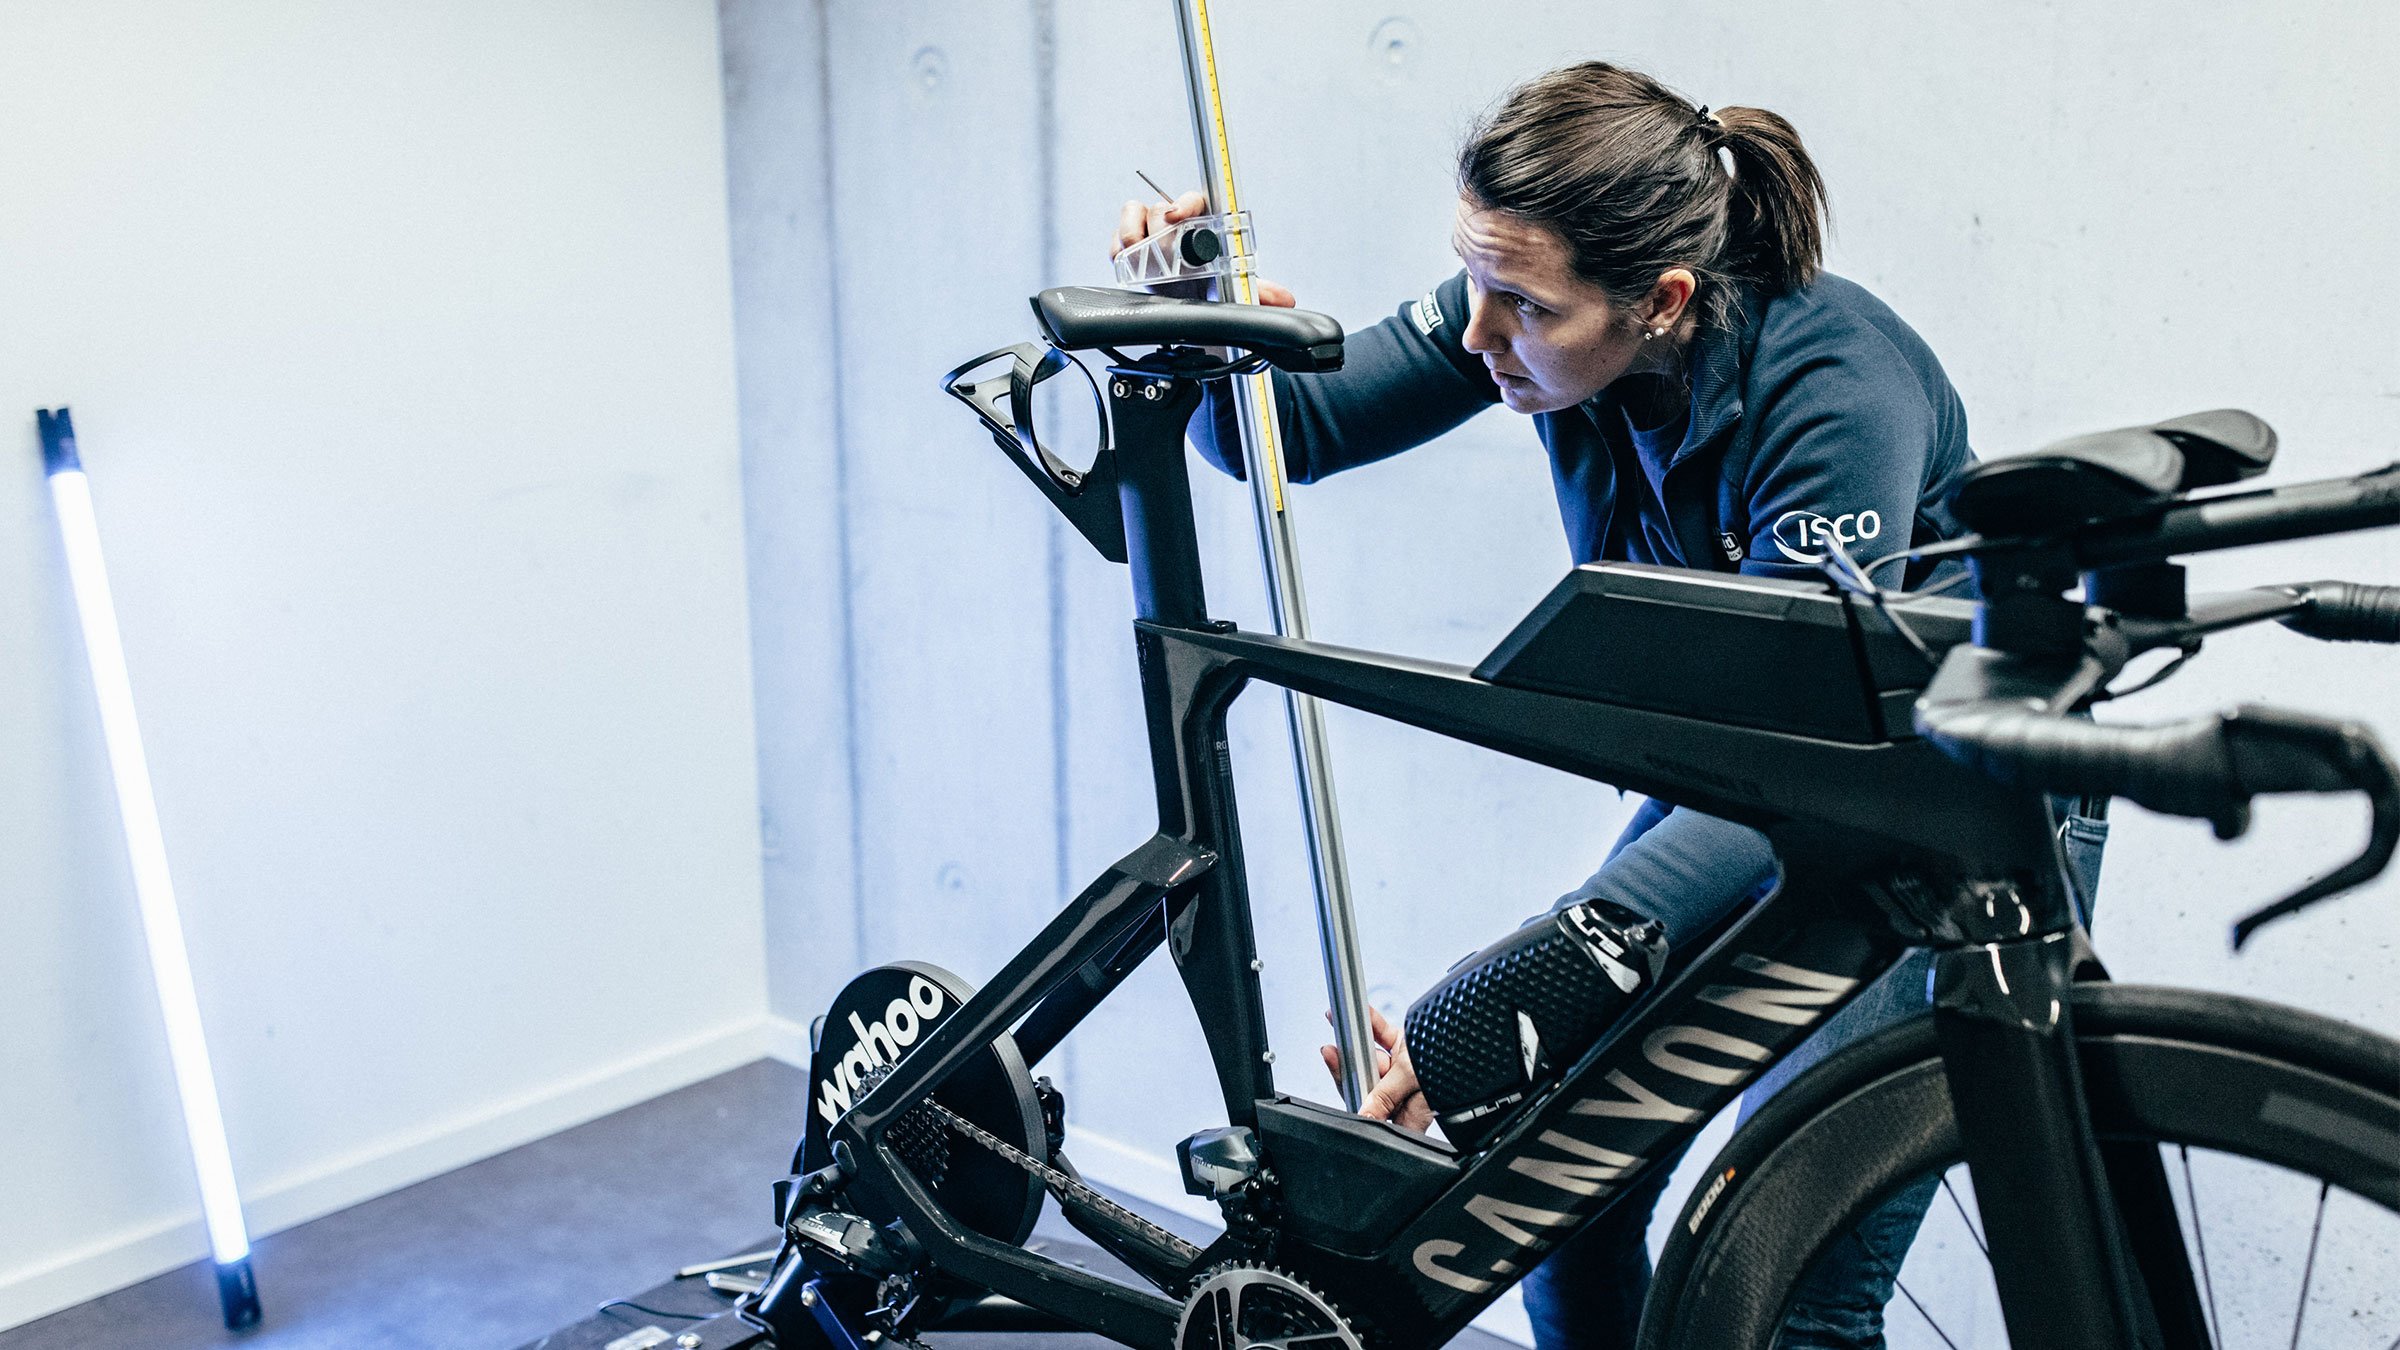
(1777, 210)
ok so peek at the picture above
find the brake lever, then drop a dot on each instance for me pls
(2357, 762)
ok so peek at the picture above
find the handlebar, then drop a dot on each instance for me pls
(2004, 715)
(2238, 520)
(2346, 611)
(2001, 706)
(2207, 767)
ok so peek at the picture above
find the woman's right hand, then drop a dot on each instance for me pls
(1395, 1096)
(1137, 221)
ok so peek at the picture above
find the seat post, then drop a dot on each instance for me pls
(1147, 415)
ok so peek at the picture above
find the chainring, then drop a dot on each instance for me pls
(1243, 1306)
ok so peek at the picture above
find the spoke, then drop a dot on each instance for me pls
(1962, 1218)
(2308, 1272)
(2216, 1328)
(1912, 1302)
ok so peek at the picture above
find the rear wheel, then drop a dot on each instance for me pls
(2276, 1134)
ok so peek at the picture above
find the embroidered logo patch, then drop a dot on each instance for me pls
(1427, 314)
(1801, 535)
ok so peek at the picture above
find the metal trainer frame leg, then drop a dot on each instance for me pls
(1254, 397)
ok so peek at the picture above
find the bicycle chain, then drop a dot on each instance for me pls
(1064, 1186)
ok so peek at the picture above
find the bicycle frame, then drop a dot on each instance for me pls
(1911, 849)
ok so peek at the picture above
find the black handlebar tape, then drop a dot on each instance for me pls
(2182, 768)
(2207, 767)
(2348, 611)
(2278, 751)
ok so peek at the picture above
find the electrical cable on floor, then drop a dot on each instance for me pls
(655, 1312)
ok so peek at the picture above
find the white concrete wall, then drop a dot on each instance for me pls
(399, 340)
(2095, 218)
(793, 487)
(871, 729)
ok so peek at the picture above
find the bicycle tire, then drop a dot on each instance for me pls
(2162, 1065)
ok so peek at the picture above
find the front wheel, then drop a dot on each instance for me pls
(2276, 1132)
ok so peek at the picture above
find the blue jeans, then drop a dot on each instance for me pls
(1588, 1294)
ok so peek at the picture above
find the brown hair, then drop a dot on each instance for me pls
(1629, 174)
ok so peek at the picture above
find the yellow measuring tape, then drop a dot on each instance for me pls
(1245, 287)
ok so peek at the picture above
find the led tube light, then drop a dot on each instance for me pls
(145, 847)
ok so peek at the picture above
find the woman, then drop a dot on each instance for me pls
(1642, 277)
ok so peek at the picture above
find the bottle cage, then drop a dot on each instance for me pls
(1003, 402)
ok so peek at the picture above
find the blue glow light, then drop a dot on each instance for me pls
(145, 845)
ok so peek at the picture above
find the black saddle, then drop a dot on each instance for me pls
(1079, 318)
(2112, 475)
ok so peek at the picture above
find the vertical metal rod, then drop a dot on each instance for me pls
(1262, 457)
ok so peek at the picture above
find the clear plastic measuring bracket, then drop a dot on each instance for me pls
(1204, 248)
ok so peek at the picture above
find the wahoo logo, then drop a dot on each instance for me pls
(1426, 313)
(1803, 536)
(1585, 1149)
(879, 1043)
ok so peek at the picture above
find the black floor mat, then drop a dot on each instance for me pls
(623, 1328)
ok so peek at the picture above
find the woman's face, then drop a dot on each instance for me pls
(1550, 338)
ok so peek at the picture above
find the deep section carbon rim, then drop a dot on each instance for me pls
(2276, 1133)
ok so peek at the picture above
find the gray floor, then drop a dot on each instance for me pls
(495, 1254)
(509, 1249)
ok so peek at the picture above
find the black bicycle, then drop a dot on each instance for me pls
(1901, 756)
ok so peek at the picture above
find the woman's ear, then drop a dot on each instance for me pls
(1663, 308)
